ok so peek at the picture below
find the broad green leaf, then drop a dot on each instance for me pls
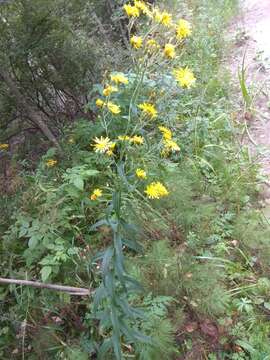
(45, 272)
(33, 241)
(78, 183)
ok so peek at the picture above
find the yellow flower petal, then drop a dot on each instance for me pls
(183, 29)
(136, 41)
(169, 51)
(131, 11)
(184, 77)
(113, 108)
(141, 174)
(148, 109)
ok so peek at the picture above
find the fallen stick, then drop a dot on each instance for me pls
(68, 289)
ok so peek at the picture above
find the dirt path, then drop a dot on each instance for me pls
(252, 30)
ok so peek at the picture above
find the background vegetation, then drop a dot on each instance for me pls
(182, 277)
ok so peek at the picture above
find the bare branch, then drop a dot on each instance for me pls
(68, 289)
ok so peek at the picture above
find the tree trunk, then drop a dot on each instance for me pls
(35, 116)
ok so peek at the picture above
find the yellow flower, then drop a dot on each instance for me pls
(136, 139)
(113, 108)
(119, 78)
(148, 109)
(109, 89)
(131, 11)
(167, 134)
(163, 17)
(136, 41)
(4, 146)
(142, 7)
(124, 137)
(102, 145)
(169, 51)
(152, 45)
(156, 190)
(170, 145)
(51, 162)
(111, 149)
(96, 194)
(71, 141)
(184, 77)
(99, 102)
(183, 29)
(141, 174)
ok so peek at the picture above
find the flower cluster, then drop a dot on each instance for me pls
(169, 144)
(104, 145)
(147, 48)
(117, 79)
(184, 77)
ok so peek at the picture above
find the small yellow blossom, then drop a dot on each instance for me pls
(136, 41)
(169, 51)
(183, 29)
(4, 146)
(99, 102)
(131, 11)
(101, 145)
(136, 139)
(184, 77)
(113, 108)
(124, 137)
(163, 17)
(156, 190)
(110, 151)
(167, 134)
(71, 141)
(152, 45)
(148, 109)
(51, 162)
(142, 6)
(119, 78)
(109, 89)
(170, 145)
(96, 194)
(141, 174)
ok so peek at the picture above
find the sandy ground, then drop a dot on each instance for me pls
(252, 33)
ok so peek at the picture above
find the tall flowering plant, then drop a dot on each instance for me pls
(135, 134)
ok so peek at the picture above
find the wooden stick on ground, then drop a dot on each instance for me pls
(68, 289)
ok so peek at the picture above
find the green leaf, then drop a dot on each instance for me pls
(105, 347)
(246, 346)
(117, 202)
(117, 347)
(46, 272)
(33, 241)
(133, 245)
(266, 305)
(107, 260)
(78, 183)
(89, 173)
(98, 224)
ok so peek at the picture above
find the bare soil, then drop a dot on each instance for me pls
(252, 34)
